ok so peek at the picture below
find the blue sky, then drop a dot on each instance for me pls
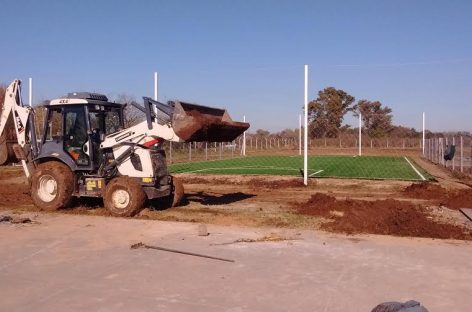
(248, 56)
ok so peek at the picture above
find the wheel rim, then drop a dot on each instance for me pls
(120, 199)
(47, 190)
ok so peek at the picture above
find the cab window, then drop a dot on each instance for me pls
(113, 122)
(75, 135)
(54, 125)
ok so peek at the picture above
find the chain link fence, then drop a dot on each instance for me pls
(351, 154)
(453, 152)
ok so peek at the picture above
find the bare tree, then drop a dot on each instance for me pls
(132, 115)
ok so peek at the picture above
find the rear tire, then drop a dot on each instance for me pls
(124, 197)
(52, 185)
(3, 150)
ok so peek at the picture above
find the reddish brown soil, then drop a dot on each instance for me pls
(388, 217)
(426, 190)
(12, 195)
(458, 199)
(252, 182)
(268, 201)
(453, 199)
(274, 184)
(205, 127)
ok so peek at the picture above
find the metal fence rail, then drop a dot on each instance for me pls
(436, 149)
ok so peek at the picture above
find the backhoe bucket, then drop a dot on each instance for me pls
(196, 123)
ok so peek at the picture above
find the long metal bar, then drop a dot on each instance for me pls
(141, 245)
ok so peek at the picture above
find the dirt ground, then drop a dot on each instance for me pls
(350, 206)
(64, 262)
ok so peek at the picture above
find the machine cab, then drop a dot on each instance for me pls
(75, 126)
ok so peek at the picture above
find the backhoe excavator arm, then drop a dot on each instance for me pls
(23, 120)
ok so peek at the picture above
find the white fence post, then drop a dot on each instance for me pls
(305, 145)
(424, 124)
(244, 138)
(462, 154)
(360, 134)
(190, 151)
(453, 158)
(300, 135)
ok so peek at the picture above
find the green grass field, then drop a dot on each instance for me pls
(364, 167)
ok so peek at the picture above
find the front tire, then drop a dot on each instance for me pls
(174, 199)
(52, 185)
(177, 192)
(124, 197)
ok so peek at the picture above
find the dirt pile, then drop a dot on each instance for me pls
(12, 195)
(273, 184)
(196, 123)
(452, 199)
(426, 190)
(458, 199)
(202, 180)
(387, 217)
(253, 182)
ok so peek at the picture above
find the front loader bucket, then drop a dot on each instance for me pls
(196, 123)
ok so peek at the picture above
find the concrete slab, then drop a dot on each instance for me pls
(81, 263)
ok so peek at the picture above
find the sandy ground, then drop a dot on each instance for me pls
(285, 203)
(83, 263)
(80, 258)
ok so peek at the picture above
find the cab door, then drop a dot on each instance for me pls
(76, 138)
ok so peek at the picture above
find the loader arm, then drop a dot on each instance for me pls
(140, 134)
(179, 121)
(23, 120)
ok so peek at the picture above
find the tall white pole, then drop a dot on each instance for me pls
(453, 158)
(300, 134)
(30, 99)
(244, 138)
(360, 134)
(462, 154)
(424, 133)
(155, 86)
(305, 145)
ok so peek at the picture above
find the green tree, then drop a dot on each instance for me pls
(376, 118)
(326, 113)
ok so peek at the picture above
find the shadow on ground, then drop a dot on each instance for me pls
(207, 199)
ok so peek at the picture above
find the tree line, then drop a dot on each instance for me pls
(326, 114)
